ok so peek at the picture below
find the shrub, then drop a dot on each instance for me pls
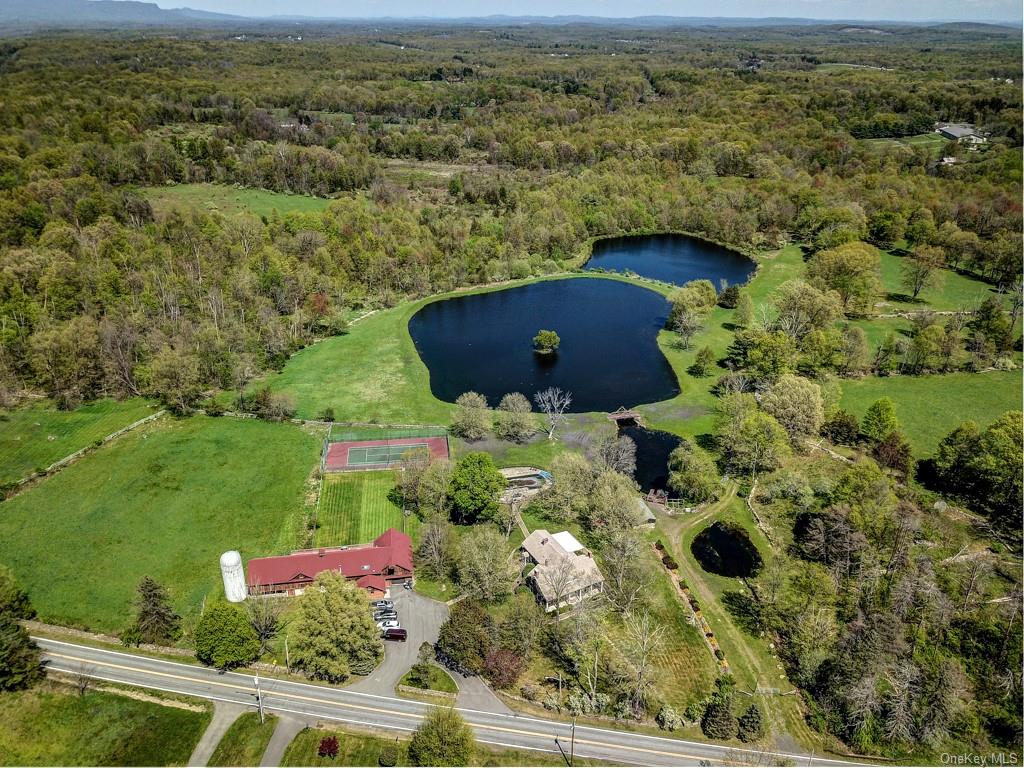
(214, 408)
(327, 414)
(695, 605)
(719, 654)
(670, 562)
(658, 545)
(328, 747)
(388, 756)
(668, 719)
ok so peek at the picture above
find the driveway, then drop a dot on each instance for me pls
(422, 618)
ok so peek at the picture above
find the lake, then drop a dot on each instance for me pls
(726, 549)
(608, 356)
(672, 258)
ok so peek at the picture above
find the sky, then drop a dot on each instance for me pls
(904, 10)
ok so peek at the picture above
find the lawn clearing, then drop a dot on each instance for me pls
(245, 741)
(358, 749)
(52, 725)
(165, 501)
(355, 508)
(229, 200)
(930, 407)
(954, 290)
(36, 436)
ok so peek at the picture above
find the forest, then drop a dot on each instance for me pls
(450, 158)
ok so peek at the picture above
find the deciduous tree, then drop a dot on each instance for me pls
(224, 638)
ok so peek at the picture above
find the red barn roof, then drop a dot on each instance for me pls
(390, 555)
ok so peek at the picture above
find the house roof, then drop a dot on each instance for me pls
(391, 549)
(958, 130)
(559, 567)
(567, 541)
(376, 583)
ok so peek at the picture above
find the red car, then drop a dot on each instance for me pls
(396, 633)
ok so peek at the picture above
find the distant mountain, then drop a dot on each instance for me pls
(76, 13)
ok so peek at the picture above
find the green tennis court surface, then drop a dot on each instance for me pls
(380, 454)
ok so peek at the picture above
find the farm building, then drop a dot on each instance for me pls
(374, 567)
(962, 133)
(564, 571)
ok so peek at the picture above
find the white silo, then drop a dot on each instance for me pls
(234, 576)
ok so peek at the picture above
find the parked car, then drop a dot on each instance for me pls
(388, 624)
(379, 604)
(395, 633)
(382, 615)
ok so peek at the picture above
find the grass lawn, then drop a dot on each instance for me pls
(230, 200)
(245, 741)
(36, 436)
(357, 749)
(929, 407)
(165, 501)
(953, 291)
(437, 680)
(354, 508)
(51, 725)
(933, 142)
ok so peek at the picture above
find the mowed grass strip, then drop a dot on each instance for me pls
(35, 437)
(930, 407)
(355, 508)
(51, 725)
(245, 741)
(229, 200)
(164, 501)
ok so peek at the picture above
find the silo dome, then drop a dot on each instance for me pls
(234, 576)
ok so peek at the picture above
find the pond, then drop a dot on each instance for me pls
(608, 355)
(726, 549)
(652, 451)
(672, 258)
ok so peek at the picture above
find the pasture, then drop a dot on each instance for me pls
(52, 725)
(355, 508)
(36, 436)
(929, 407)
(164, 501)
(220, 198)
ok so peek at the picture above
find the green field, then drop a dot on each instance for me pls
(933, 142)
(437, 680)
(954, 291)
(354, 508)
(35, 437)
(245, 741)
(929, 407)
(51, 725)
(165, 501)
(229, 200)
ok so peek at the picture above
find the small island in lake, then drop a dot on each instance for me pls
(546, 342)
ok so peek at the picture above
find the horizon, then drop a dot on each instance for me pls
(913, 11)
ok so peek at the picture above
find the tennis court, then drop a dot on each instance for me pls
(381, 453)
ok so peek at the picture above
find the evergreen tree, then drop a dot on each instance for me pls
(14, 600)
(156, 621)
(744, 314)
(20, 666)
(442, 739)
(751, 724)
(719, 722)
(880, 419)
(224, 637)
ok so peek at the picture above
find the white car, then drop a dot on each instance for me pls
(388, 624)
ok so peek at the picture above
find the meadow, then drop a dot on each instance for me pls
(929, 407)
(53, 725)
(35, 436)
(219, 198)
(164, 501)
(245, 741)
(357, 507)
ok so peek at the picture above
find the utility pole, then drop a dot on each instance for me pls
(572, 743)
(259, 696)
(287, 658)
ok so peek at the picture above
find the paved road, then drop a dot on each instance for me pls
(422, 619)
(389, 713)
